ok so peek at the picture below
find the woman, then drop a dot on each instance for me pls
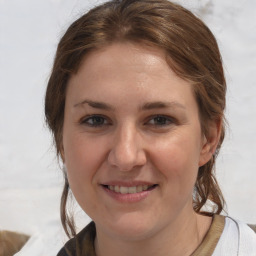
(136, 104)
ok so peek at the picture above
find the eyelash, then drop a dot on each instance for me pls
(162, 118)
(103, 121)
(99, 117)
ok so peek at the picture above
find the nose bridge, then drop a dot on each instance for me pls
(126, 151)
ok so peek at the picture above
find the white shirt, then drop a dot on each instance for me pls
(237, 239)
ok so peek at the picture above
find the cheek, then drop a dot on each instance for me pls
(83, 158)
(177, 159)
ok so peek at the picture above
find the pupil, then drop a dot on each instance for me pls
(160, 120)
(97, 119)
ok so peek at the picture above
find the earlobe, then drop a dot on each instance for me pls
(210, 142)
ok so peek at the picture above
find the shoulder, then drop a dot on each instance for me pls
(62, 252)
(237, 237)
(69, 249)
(82, 244)
(243, 228)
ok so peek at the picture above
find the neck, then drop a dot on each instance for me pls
(181, 237)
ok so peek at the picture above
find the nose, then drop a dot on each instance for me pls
(126, 151)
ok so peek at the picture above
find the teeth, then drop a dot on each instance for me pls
(128, 190)
(116, 189)
(124, 190)
(140, 188)
(132, 190)
(144, 187)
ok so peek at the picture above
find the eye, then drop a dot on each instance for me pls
(95, 121)
(160, 121)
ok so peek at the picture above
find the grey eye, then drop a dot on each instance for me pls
(95, 121)
(160, 120)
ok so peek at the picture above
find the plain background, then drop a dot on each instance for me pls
(30, 178)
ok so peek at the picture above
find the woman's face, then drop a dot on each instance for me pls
(132, 141)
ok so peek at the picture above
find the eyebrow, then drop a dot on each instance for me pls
(145, 106)
(161, 104)
(95, 104)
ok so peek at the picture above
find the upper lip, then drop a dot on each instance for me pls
(127, 183)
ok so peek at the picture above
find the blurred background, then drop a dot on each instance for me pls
(30, 177)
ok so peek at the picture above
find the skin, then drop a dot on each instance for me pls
(129, 119)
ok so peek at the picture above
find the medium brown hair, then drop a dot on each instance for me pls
(191, 51)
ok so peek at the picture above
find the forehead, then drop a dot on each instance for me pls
(124, 70)
(137, 57)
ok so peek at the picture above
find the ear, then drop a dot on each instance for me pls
(210, 141)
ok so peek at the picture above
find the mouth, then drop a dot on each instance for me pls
(129, 190)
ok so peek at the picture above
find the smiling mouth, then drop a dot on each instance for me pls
(130, 190)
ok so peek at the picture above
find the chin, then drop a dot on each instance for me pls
(132, 227)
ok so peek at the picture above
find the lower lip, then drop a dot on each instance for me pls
(128, 198)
